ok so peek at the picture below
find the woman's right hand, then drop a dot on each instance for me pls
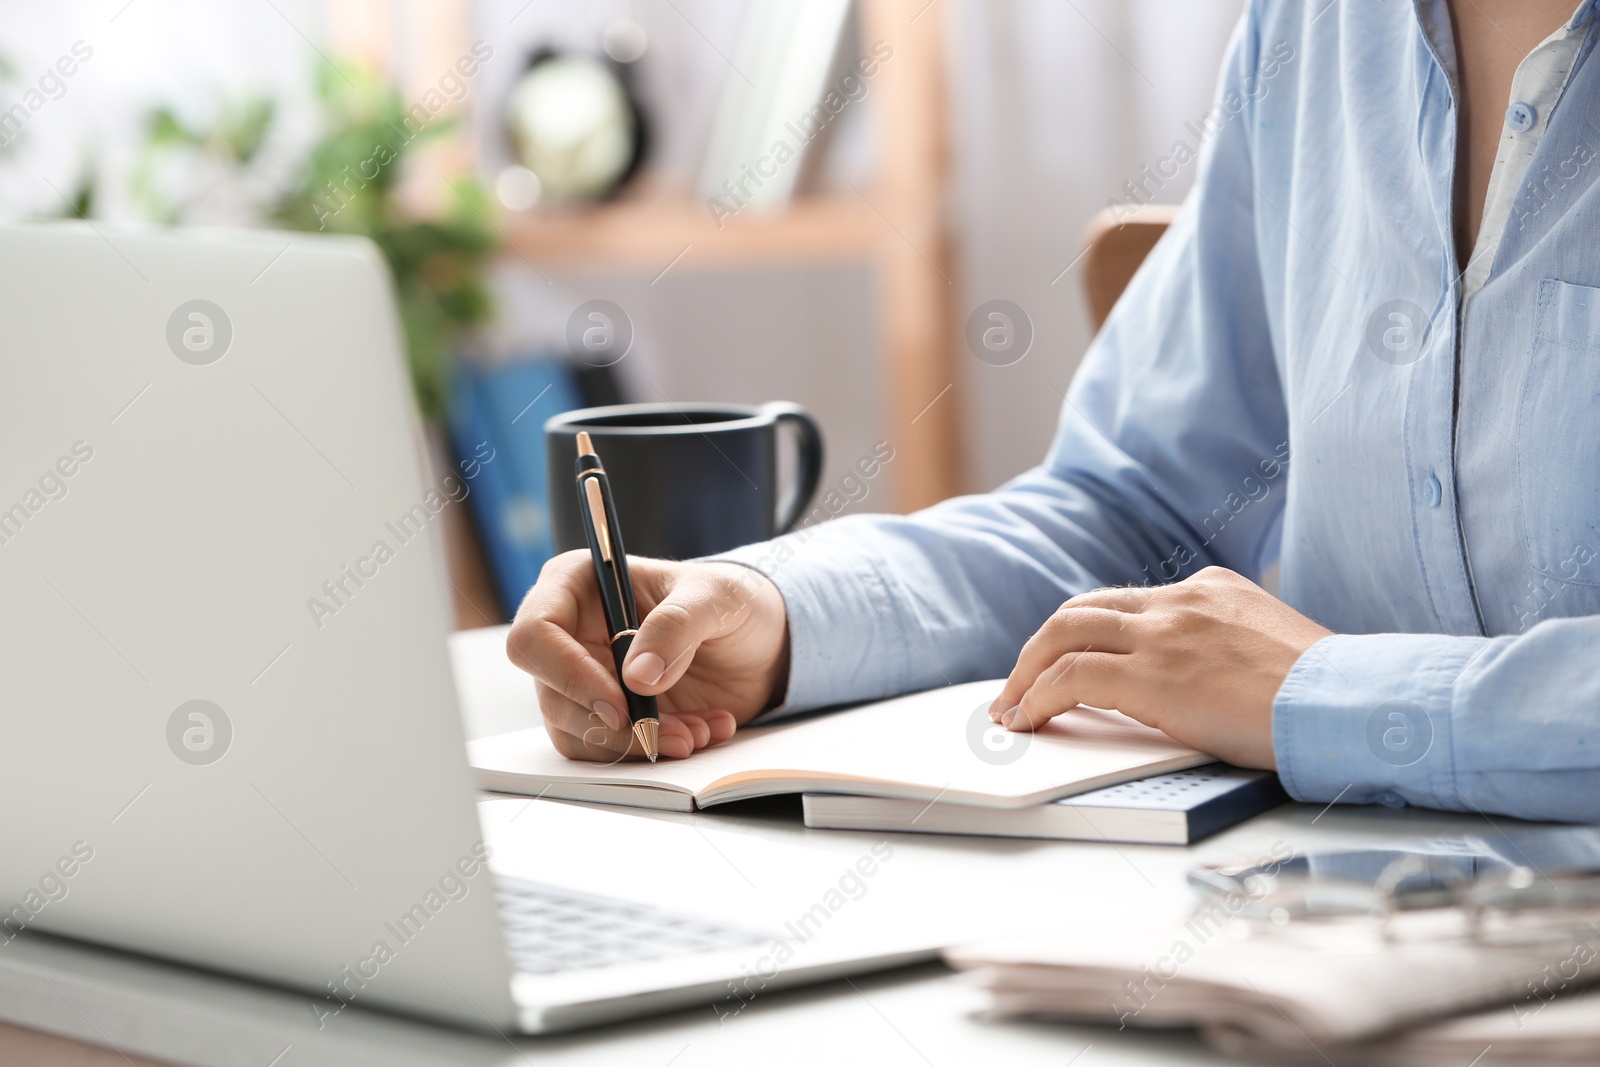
(713, 647)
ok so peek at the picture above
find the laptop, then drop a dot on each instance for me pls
(233, 733)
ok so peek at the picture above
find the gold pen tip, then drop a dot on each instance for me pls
(585, 444)
(647, 732)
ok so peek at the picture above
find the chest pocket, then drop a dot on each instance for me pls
(1558, 436)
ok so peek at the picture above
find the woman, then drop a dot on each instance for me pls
(1368, 348)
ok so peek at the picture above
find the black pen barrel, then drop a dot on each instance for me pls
(606, 549)
(639, 707)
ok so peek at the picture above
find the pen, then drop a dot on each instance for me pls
(616, 587)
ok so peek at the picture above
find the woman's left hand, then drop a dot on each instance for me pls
(1201, 659)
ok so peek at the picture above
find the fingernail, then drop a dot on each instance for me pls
(1007, 716)
(647, 668)
(996, 708)
(608, 714)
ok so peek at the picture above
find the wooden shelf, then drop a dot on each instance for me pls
(653, 231)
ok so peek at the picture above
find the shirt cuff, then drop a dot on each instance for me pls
(831, 625)
(1366, 718)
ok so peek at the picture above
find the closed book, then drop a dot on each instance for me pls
(1167, 809)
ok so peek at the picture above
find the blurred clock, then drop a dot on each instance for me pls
(575, 127)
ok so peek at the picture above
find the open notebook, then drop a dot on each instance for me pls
(933, 745)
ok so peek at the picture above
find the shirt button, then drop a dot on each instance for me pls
(1432, 491)
(1521, 117)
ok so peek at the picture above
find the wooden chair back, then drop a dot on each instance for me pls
(1118, 239)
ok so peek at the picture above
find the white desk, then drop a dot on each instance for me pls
(919, 1016)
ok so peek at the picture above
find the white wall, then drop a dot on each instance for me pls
(1054, 105)
(180, 52)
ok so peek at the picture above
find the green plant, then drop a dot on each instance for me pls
(349, 182)
(181, 167)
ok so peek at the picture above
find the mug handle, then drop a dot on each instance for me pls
(809, 438)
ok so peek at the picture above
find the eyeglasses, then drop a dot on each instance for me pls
(1421, 897)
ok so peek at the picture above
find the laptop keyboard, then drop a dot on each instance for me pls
(549, 930)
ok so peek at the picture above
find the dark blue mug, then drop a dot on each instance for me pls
(688, 479)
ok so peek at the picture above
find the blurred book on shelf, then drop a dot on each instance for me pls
(778, 102)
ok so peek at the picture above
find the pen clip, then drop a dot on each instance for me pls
(597, 512)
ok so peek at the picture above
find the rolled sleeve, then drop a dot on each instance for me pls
(836, 616)
(1368, 719)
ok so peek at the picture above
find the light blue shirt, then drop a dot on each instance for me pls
(1292, 376)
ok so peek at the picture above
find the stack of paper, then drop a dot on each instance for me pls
(1304, 990)
(1539, 1029)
